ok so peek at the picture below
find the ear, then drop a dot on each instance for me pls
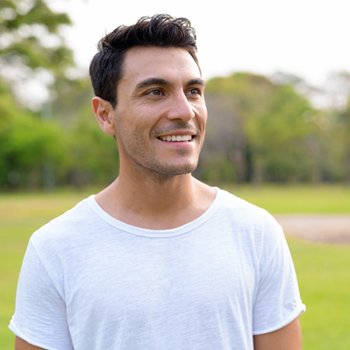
(103, 111)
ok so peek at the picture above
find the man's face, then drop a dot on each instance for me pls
(161, 114)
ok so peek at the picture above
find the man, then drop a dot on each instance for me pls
(158, 259)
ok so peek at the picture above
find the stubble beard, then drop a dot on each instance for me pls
(146, 161)
(145, 164)
(164, 171)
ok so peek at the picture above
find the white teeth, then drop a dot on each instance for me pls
(176, 138)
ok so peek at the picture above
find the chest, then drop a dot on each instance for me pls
(160, 277)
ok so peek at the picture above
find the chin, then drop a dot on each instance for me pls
(171, 170)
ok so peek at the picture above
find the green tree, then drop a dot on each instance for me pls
(30, 45)
(30, 36)
(341, 140)
(271, 128)
(92, 155)
(33, 51)
(27, 144)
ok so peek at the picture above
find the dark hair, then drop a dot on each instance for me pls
(160, 30)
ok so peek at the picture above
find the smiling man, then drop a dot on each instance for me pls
(157, 260)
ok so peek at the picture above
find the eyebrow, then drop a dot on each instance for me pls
(151, 81)
(162, 82)
(197, 81)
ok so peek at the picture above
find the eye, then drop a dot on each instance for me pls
(155, 92)
(193, 92)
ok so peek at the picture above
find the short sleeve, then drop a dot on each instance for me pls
(40, 315)
(277, 301)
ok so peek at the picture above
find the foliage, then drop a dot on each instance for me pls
(30, 36)
(61, 146)
(260, 129)
(93, 156)
(265, 129)
(342, 134)
(27, 144)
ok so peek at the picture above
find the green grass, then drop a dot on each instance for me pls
(297, 199)
(20, 215)
(322, 269)
(324, 279)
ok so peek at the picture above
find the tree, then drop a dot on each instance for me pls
(26, 144)
(31, 46)
(341, 139)
(263, 128)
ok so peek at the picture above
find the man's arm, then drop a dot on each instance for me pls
(20, 344)
(286, 338)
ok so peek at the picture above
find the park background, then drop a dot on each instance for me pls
(278, 138)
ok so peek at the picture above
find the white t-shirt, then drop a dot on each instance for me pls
(91, 282)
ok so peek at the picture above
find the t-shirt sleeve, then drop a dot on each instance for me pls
(277, 301)
(40, 315)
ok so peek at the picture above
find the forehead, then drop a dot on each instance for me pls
(157, 62)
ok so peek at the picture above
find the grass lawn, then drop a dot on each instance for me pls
(20, 215)
(324, 279)
(322, 269)
(297, 199)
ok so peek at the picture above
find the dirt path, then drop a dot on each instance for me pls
(320, 228)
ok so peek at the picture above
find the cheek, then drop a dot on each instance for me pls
(132, 134)
(203, 117)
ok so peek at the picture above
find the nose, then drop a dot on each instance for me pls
(181, 108)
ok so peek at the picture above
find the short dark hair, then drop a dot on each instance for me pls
(159, 30)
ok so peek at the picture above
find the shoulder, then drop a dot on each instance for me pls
(247, 218)
(62, 229)
(242, 209)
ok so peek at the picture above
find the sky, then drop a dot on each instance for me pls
(307, 38)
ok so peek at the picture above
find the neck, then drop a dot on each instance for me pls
(156, 203)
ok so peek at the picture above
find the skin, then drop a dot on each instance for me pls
(286, 338)
(161, 94)
(20, 344)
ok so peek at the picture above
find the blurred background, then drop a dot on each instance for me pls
(278, 95)
(278, 87)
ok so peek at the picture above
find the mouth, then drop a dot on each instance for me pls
(176, 138)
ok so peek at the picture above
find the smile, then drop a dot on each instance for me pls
(176, 138)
